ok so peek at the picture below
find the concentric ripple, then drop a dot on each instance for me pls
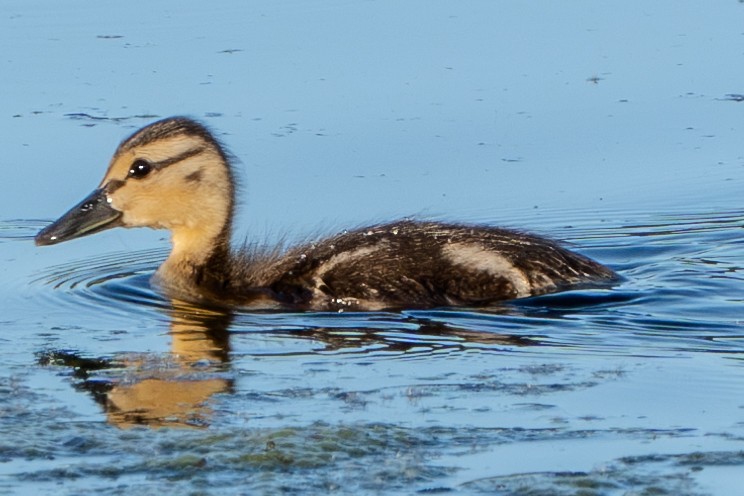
(16, 230)
(118, 280)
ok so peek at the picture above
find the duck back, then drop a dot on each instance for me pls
(413, 265)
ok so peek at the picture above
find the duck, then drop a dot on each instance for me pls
(175, 174)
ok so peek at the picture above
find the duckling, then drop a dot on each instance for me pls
(174, 174)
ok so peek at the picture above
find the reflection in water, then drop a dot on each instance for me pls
(172, 390)
(177, 394)
(430, 336)
(160, 402)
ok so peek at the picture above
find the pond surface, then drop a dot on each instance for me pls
(614, 127)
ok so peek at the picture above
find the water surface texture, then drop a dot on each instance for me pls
(613, 126)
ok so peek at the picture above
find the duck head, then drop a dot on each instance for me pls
(172, 174)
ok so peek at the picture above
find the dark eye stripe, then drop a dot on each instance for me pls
(140, 168)
(113, 185)
(170, 161)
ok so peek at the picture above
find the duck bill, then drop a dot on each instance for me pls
(91, 215)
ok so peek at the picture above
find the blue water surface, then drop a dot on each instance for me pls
(612, 126)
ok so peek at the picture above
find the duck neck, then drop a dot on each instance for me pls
(198, 264)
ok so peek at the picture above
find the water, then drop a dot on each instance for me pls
(544, 116)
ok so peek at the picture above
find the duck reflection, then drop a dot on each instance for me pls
(171, 389)
(176, 389)
(427, 337)
(177, 392)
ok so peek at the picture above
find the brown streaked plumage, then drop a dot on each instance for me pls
(173, 174)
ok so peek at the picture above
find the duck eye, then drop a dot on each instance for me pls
(139, 169)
